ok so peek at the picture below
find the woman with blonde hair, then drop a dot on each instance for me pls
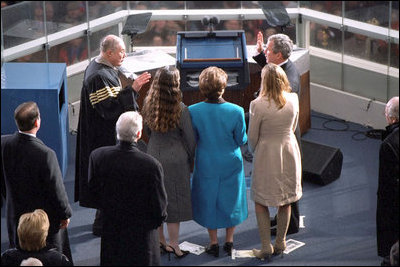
(277, 162)
(168, 125)
(32, 231)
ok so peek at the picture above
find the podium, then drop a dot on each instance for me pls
(197, 50)
(45, 84)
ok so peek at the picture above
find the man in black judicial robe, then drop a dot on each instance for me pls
(33, 180)
(129, 188)
(278, 50)
(102, 102)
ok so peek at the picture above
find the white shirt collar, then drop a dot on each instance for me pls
(34, 135)
(104, 61)
(284, 62)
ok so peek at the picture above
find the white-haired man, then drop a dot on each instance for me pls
(387, 211)
(128, 186)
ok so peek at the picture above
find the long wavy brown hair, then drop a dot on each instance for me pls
(161, 109)
(273, 83)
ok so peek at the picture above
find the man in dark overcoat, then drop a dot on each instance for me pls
(102, 101)
(129, 188)
(387, 213)
(33, 179)
(278, 50)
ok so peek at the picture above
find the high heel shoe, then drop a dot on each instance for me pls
(278, 251)
(184, 253)
(228, 246)
(213, 250)
(163, 248)
(262, 255)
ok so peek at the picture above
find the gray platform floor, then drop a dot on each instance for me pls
(339, 218)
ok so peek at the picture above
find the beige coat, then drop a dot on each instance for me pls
(276, 178)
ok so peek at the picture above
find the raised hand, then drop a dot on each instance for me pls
(260, 42)
(140, 81)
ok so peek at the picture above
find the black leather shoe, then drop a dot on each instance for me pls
(248, 156)
(213, 250)
(228, 246)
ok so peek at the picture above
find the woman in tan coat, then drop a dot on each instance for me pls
(277, 162)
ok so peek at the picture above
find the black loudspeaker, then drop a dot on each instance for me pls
(322, 164)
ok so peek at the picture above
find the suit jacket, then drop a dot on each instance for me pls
(387, 212)
(33, 180)
(49, 257)
(290, 69)
(128, 186)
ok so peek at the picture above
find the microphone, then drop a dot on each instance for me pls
(205, 21)
(214, 20)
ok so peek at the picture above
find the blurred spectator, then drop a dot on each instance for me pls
(231, 25)
(250, 38)
(75, 12)
(109, 7)
(139, 5)
(73, 51)
(270, 31)
(170, 38)
(157, 40)
(38, 18)
(231, 4)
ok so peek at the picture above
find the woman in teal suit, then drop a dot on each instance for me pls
(218, 186)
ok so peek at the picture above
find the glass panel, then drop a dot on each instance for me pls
(251, 28)
(364, 83)
(229, 25)
(22, 22)
(326, 72)
(374, 12)
(330, 7)
(395, 15)
(71, 52)
(213, 4)
(70, 13)
(160, 33)
(394, 55)
(99, 9)
(325, 37)
(35, 57)
(364, 47)
(250, 4)
(143, 5)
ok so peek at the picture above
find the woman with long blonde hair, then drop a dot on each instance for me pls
(277, 161)
(171, 141)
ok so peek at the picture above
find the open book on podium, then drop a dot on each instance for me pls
(141, 61)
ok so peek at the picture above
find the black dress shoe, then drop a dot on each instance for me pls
(228, 246)
(248, 156)
(213, 250)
